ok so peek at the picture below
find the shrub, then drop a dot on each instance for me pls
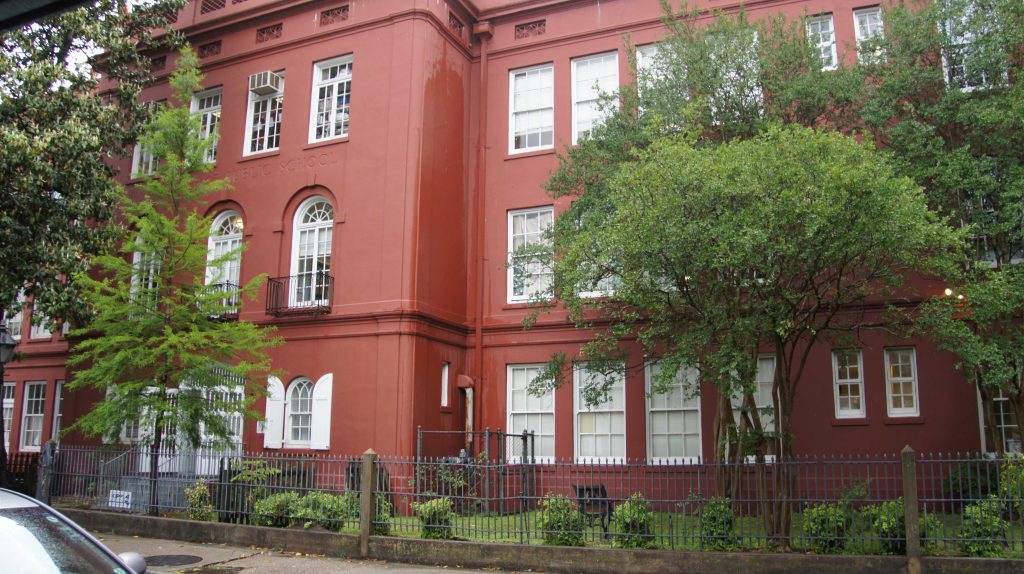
(634, 521)
(1011, 482)
(200, 503)
(560, 521)
(827, 526)
(436, 516)
(320, 509)
(983, 531)
(972, 480)
(382, 515)
(276, 509)
(888, 522)
(350, 506)
(717, 531)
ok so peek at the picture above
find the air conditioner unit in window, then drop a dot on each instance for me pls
(264, 83)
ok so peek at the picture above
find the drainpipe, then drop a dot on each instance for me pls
(483, 31)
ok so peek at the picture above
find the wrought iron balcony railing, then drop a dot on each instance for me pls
(230, 301)
(302, 294)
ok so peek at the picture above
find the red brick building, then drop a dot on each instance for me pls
(386, 156)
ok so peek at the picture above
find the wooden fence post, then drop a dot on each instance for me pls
(367, 482)
(910, 512)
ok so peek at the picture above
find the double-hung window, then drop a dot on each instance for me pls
(32, 416)
(848, 378)
(58, 409)
(299, 416)
(311, 253)
(207, 106)
(764, 382)
(867, 26)
(971, 59)
(736, 77)
(224, 257)
(529, 273)
(601, 428)
(901, 383)
(263, 122)
(591, 77)
(673, 418)
(14, 317)
(822, 36)
(143, 163)
(145, 290)
(8, 406)
(531, 414)
(40, 326)
(532, 108)
(332, 91)
(300, 412)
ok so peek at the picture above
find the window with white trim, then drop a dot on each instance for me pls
(444, 384)
(822, 36)
(300, 412)
(764, 381)
(224, 256)
(58, 410)
(263, 122)
(531, 108)
(8, 406)
(1007, 425)
(207, 106)
(14, 317)
(299, 417)
(33, 405)
(145, 278)
(528, 275)
(969, 60)
(312, 237)
(673, 418)
(848, 379)
(867, 26)
(332, 92)
(529, 413)
(901, 382)
(591, 77)
(738, 92)
(143, 162)
(40, 326)
(600, 429)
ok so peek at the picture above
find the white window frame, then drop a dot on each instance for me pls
(762, 399)
(14, 321)
(514, 430)
(892, 411)
(821, 33)
(852, 382)
(686, 377)
(962, 44)
(529, 283)
(445, 371)
(289, 408)
(58, 411)
(8, 412)
(226, 236)
(274, 100)
(207, 105)
(317, 257)
(732, 69)
(545, 108)
(33, 418)
(40, 326)
(143, 162)
(875, 29)
(578, 376)
(1005, 425)
(585, 96)
(342, 80)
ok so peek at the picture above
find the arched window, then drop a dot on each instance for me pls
(300, 411)
(223, 258)
(311, 253)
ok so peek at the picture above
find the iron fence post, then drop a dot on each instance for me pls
(910, 512)
(368, 481)
(45, 468)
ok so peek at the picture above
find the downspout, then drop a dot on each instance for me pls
(483, 31)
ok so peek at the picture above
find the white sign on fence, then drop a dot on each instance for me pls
(120, 499)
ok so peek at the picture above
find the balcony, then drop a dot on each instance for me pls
(228, 303)
(303, 294)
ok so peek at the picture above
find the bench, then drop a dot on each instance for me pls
(594, 504)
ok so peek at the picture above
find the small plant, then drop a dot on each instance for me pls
(200, 503)
(634, 522)
(560, 520)
(382, 515)
(276, 509)
(972, 480)
(983, 531)
(1011, 482)
(320, 509)
(717, 530)
(436, 516)
(888, 523)
(827, 526)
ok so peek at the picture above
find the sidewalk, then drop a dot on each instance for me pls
(170, 556)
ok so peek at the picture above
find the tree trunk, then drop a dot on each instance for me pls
(154, 465)
(993, 441)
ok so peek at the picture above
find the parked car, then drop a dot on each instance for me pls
(35, 538)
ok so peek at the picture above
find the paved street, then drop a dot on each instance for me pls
(168, 556)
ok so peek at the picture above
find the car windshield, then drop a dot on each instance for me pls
(39, 542)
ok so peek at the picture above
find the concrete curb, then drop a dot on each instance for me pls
(513, 557)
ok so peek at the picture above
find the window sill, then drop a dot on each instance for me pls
(851, 422)
(29, 449)
(260, 155)
(531, 153)
(323, 143)
(908, 420)
(515, 305)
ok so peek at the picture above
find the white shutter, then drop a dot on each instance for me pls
(320, 438)
(273, 430)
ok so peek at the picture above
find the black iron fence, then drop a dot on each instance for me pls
(22, 469)
(302, 294)
(944, 504)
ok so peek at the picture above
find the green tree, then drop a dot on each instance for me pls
(153, 342)
(58, 135)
